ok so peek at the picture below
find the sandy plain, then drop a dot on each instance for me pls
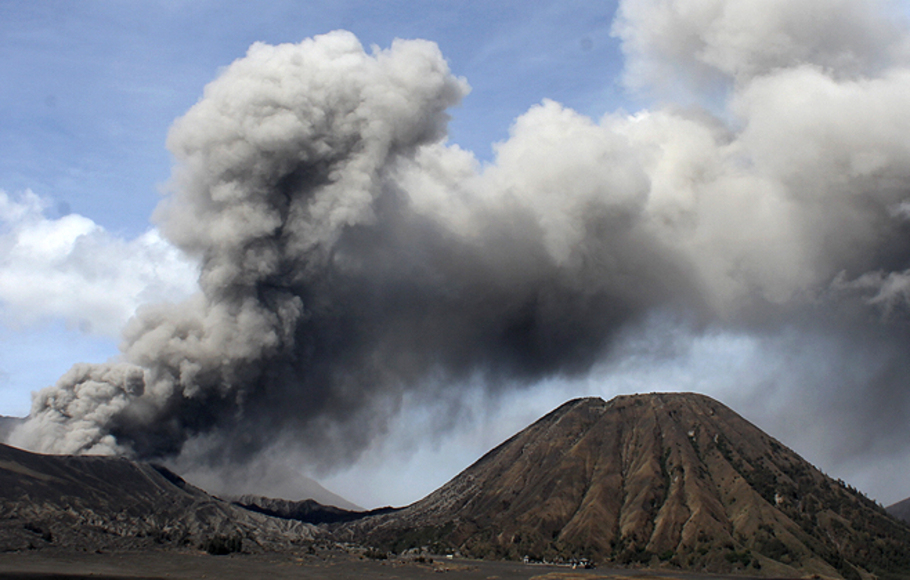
(324, 565)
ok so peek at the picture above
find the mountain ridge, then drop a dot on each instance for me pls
(95, 502)
(309, 510)
(900, 510)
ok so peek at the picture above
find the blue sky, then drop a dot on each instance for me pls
(90, 89)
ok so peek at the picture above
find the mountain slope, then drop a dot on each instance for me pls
(648, 478)
(308, 510)
(901, 510)
(283, 482)
(99, 502)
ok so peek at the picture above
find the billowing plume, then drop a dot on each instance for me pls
(351, 257)
(706, 45)
(290, 148)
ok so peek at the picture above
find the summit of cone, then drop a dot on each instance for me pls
(673, 479)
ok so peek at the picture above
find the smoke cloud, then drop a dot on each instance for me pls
(351, 257)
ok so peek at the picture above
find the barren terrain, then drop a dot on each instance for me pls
(666, 482)
(328, 564)
(663, 478)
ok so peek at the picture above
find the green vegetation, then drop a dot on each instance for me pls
(221, 545)
(636, 557)
(734, 557)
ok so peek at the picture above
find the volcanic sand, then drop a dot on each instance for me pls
(325, 565)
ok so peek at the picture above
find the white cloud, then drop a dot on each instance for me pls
(71, 268)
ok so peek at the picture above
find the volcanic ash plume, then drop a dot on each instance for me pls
(289, 148)
(350, 256)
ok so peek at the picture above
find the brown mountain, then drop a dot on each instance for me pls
(663, 479)
(104, 502)
(900, 510)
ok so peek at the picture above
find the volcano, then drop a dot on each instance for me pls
(91, 503)
(678, 480)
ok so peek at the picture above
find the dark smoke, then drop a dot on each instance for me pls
(350, 257)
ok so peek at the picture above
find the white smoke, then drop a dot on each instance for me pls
(702, 46)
